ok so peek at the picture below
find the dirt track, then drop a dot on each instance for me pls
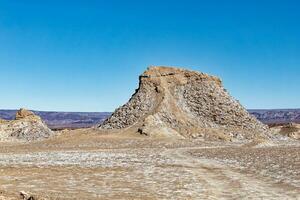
(132, 168)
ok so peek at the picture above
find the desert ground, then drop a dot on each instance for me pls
(180, 136)
(97, 164)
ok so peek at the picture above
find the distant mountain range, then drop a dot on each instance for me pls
(72, 120)
(62, 120)
(277, 116)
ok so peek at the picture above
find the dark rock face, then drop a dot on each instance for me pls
(178, 102)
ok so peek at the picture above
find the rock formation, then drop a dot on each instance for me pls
(291, 130)
(2, 121)
(26, 126)
(23, 113)
(186, 104)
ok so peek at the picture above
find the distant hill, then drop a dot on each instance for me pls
(277, 116)
(61, 120)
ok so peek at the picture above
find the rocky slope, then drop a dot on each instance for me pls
(26, 126)
(186, 104)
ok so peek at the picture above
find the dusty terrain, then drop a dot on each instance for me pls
(92, 164)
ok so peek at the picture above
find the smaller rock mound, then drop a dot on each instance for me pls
(291, 130)
(2, 121)
(26, 126)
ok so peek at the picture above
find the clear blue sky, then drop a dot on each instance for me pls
(86, 55)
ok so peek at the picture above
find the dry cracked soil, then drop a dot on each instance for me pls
(96, 165)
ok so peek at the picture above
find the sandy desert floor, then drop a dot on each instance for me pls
(85, 165)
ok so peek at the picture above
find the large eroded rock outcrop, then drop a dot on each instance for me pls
(26, 126)
(181, 103)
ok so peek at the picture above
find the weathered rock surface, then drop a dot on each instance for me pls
(23, 113)
(26, 126)
(291, 130)
(182, 103)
